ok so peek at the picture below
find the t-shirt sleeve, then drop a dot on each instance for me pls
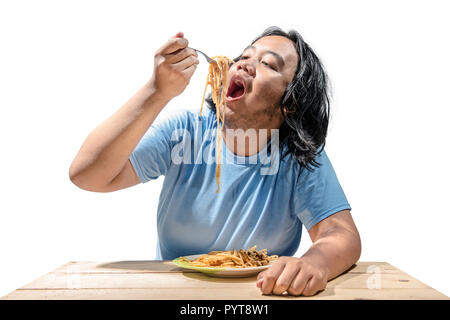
(152, 156)
(318, 193)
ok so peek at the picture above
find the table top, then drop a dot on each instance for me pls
(155, 280)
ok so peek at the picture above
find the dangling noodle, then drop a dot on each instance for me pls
(217, 79)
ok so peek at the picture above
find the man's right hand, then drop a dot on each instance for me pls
(102, 163)
(174, 66)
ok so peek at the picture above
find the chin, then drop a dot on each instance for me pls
(236, 105)
(230, 117)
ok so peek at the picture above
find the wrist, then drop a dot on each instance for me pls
(316, 257)
(156, 95)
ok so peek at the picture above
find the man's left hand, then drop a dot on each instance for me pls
(297, 276)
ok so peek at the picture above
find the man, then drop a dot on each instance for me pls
(278, 89)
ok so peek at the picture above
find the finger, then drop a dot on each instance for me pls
(179, 55)
(312, 287)
(299, 283)
(285, 279)
(259, 283)
(270, 277)
(174, 44)
(186, 63)
(260, 275)
(190, 71)
(179, 35)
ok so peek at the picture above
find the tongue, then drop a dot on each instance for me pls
(239, 91)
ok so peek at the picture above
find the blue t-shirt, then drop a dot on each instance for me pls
(263, 199)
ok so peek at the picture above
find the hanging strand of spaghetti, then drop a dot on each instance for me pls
(217, 79)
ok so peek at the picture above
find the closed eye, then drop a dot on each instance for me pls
(269, 65)
(263, 62)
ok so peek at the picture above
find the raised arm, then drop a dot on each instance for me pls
(102, 163)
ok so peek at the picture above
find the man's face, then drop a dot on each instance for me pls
(257, 82)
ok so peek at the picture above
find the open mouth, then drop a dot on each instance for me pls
(236, 89)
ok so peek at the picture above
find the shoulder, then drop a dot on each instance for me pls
(180, 124)
(303, 173)
(186, 118)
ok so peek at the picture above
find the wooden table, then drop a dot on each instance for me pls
(155, 280)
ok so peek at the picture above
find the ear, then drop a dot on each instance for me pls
(287, 111)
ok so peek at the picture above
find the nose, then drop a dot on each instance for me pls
(247, 66)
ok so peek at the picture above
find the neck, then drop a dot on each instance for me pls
(245, 142)
(248, 136)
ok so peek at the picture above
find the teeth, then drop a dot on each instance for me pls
(239, 83)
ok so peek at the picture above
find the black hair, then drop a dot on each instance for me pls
(305, 104)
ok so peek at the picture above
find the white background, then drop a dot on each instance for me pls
(65, 66)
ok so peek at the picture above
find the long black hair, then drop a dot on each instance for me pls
(305, 105)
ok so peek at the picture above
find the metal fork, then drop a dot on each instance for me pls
(208, 59)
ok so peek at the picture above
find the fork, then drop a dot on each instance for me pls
(208, 59)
